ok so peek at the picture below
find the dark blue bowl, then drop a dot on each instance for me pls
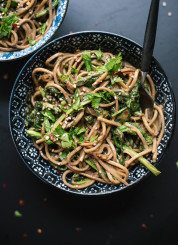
(59, 17)
(131, 52)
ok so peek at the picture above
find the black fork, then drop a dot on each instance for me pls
(146, 100)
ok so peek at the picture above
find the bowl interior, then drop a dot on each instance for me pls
(131, 52)
(60, 14)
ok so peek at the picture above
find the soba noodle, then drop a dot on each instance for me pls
(85, 118)
(24, 23)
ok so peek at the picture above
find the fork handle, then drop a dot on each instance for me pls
(150, 34)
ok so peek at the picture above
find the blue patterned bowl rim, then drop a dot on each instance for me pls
(57, 22)
(79, 192)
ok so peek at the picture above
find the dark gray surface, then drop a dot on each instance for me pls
(110, 220)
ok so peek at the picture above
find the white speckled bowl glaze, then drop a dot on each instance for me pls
(59, 17)
(85, 40)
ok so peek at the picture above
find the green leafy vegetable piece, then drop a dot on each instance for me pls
(100, 68)
(79, 179)
(138, 113)
(31, 41)
(6, 25)
(148, 138)
(33, 133)
(118, 112)
(65, 77)
(86, 56)
(99, 54)
(92, 164)
(88, 79)
(144, 161)
(46, 11)
(51, 106)
(79, 130)
(77, 104)
(59, 131)
(93, 138)
(115, 79)
(95, 102)
(133, 101)
(64, 154)
(177, 164)
(96, 98)
(89, 119)
(43, 28)
(61, 168)
(47, 125)
(126, 129)
(42, 91)
(118, 137)
(124, 116)
(17, 213)
(73, 70)
(101, 112)
(52, 90)
(2, 9)
(113, 64)
(69, 111)
(81, 139)
(49, 114)
(66, 142)
(7, 6)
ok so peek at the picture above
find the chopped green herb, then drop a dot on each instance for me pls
(97, 97)
(89, 119)
(33, 133)
(118, 112)
(79, 179)
(43, 28)
(6, 25)
(45, 11)
(64, 154)
(42, 91)
(92, 164)
(2, 9)
(99, 54)
(77, 104)
(87, 80)
(64, 77)
(93, 138)
(73, 70)
(31, 41)
(17, 213)
(47, 125)
(49, 114)
(86, 56)
(66, 142)
(114, 64)
(116, 79)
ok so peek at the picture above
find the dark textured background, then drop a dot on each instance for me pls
(116, 219)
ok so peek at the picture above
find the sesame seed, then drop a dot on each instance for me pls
(169, 14)
(164, 4)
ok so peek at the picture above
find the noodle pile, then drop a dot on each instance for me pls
(85, 118)
(24, 23)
